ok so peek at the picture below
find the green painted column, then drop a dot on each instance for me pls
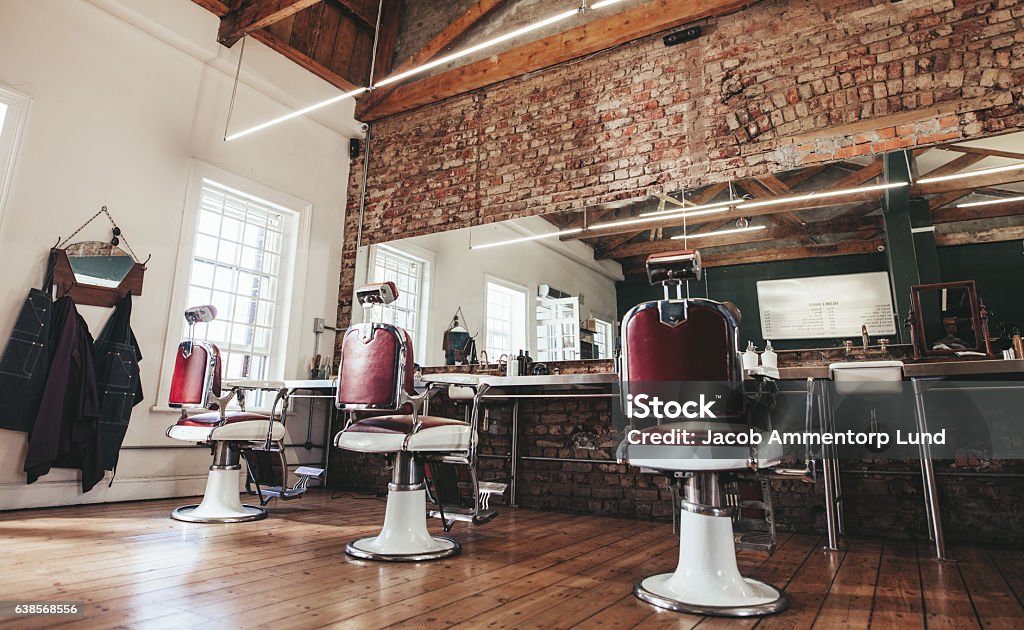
(909, 237)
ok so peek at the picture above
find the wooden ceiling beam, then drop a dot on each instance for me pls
(598, 34)
(772, 254)
(970, 183)
(951, 215)
(984, 152)
(359, 11)
(959, 164)
(735, 213)
(840, 225)
(253, 15)
(971, 237)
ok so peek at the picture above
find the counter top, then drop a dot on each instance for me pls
(924, 369)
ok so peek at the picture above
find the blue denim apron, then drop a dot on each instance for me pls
(116, 357)
(26, 359)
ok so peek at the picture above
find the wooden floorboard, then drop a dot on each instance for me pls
(133, 567)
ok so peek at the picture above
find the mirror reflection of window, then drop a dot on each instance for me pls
(409, 274)
(558, 329)
(506, 319)
(604, 338)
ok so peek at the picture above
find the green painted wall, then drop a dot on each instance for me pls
(998, 271)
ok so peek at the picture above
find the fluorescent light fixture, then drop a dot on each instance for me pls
(604, 3)
(296, 113)
(710, 208)
(535, 237)
(749, 228)
(821, 195)
(440, 61)
(676, 214)
(990, 202)
(986, 171)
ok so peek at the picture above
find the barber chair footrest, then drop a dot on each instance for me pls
(465, 515)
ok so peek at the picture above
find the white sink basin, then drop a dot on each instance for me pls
(867, 377)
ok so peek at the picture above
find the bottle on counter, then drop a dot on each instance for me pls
(769, 358)
(750, 358)
(512, 366)
(1018, 345)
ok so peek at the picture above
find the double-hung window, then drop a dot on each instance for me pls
(13, 111)
(241, 264)
(506, 318)
(410, 275)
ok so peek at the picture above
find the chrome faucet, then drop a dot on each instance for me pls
(485, 360)
(864, 336)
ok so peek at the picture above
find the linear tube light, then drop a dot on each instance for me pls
(554, 19)
(296, 113)
(989, 202)
(535, 237)
(622, 222)
(710, 208)
(821, 195)
(548, 21)
(986, 171)
(749, 228)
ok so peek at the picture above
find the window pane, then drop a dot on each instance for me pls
(237, 258)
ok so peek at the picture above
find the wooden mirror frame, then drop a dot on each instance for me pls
(90, 294)
(978, 320)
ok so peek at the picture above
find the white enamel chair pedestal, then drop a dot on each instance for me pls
(706, 580)
(221, 502)
(404, 536)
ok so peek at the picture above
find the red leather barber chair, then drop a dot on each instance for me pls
(376, 375)
(689, 345)
(231, 434)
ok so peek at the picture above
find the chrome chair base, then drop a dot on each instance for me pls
(643, 591)
(450, 547)
(250, 513)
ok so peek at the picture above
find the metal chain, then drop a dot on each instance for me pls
(102, 210)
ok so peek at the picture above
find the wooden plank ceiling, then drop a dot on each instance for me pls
(832, 226)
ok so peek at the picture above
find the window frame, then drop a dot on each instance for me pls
(426, 259)
(11, 129)
(511, 286)
(288, 328)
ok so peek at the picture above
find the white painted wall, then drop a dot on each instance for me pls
(459, 274)
(125, 94)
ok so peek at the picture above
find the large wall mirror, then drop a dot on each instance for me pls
(558, 284)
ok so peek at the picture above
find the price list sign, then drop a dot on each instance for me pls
(826, 306)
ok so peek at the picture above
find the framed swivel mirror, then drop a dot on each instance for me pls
(947, 320)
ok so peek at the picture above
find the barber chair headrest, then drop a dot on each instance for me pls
(379, 293)
(674, 267)
(200, 314)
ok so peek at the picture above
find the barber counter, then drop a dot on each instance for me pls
(551, 438)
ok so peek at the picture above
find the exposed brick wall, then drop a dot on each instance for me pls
(776, 86)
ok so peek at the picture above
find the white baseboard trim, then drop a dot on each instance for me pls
(15, 496)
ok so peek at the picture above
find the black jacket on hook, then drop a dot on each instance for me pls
(116, 357)
(66, 433)
(26, 359)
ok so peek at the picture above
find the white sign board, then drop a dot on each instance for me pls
(826, 306)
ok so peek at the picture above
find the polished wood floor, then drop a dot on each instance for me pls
(133, 567)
